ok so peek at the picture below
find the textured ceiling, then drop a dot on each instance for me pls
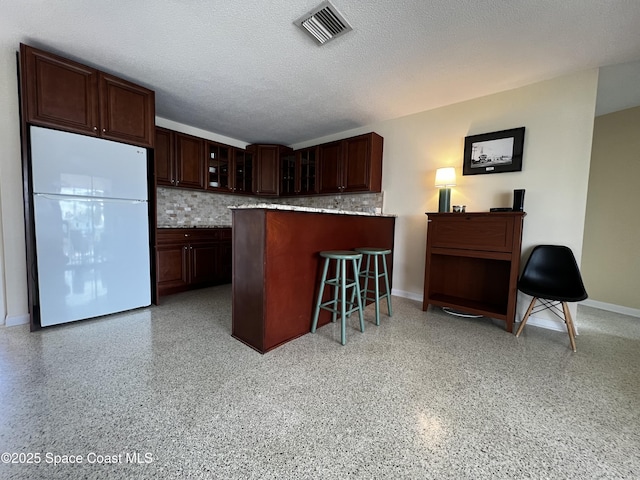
(242, 69)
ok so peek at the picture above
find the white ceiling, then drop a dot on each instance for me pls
(241, 68)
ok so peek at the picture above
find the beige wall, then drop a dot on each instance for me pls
(610, 261)
(13, 276)
(558, 115)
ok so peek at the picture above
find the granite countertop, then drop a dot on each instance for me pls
(273, 206)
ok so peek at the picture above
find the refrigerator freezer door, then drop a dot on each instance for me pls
(93, 257)
(71, 164)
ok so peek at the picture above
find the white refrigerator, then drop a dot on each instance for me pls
(91, 222)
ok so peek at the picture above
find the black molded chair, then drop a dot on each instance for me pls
(552, 276)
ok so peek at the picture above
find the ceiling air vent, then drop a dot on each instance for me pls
(323, 23)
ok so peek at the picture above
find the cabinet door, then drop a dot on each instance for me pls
(243, 171)
(267, 170)
(57, 92)
(224, 266)
(172, 264)
(203, 263)
(307, 167)
(220, 169)
(288, 175)
(164, 157)
(127, 111)
(189, 161)
(356, 163)
(330, 158)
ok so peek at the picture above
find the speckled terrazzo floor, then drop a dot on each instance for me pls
(167, 393)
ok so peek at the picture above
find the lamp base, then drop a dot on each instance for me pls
(444, 201)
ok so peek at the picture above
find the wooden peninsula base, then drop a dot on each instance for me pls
(276, 267)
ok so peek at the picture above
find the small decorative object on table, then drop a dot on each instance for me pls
(518, 200)
(459, 208)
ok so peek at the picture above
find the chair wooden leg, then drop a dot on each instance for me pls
(573, 326)
(570, 328)
(526, 316)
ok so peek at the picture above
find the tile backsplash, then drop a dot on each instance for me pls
(180, 207)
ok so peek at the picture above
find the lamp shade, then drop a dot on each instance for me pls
(446, 177)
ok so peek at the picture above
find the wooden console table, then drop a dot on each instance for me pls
(472, 263)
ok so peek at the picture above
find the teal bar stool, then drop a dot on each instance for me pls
(372, 274)
(340, 283)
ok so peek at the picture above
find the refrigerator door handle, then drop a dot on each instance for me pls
(85, 198)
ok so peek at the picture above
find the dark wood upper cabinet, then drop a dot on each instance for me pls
(230, 169)
(57, 92)
(267, 171)
(190, 161)
(331, 167)
(266, 168)
(307, 164)
(220, 167)
(179, 159)
(242, 171)
(127, 111)
(60, 93)
(164, 157)
(289, 175)
(357, 164)
(298, 172)
(351, 165)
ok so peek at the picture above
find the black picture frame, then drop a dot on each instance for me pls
(495, 152)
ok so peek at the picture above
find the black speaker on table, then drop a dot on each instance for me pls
(518, 200)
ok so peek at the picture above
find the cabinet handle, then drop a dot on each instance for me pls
(187, 235)
(185, 247)
(177, 182)
(104, 130)
(95, 129)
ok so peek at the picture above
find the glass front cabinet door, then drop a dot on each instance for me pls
(219, 168)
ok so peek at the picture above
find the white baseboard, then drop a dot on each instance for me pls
(409, 295)
(13, 320)
(610, 307)
(547, 323)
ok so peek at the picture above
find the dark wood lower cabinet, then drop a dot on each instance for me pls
(171, 267)
(188, 258)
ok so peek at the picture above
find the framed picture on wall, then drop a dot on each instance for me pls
(494, 152)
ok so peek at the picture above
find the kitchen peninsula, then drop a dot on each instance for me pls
(276, 266)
